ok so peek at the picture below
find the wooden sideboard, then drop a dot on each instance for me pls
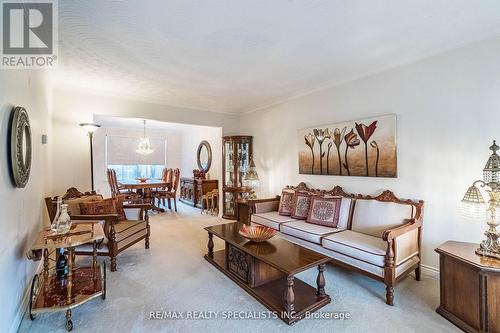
(469, 288)
(193, 188)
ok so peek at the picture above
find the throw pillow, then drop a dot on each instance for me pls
(300, 205)
(285, 207)
(106, 206)
(74, 204)
(324, 211)
(118, 201)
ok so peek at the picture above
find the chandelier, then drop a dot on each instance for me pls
(144, 147)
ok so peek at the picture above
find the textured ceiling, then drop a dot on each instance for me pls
(238, 55)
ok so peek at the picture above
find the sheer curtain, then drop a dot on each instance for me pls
(121, 156)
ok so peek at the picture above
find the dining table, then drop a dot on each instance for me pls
(146, 189)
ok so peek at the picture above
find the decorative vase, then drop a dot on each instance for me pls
(53, 225)
(64, 220)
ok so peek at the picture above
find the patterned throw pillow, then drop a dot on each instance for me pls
(324, 211)
(286, 202)
(106, 206)
(119, 208)
(300, 206)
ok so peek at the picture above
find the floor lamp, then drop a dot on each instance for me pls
(90, 129)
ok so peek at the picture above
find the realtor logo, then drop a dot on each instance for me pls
(29, 34)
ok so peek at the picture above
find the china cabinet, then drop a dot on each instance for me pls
(236, 155)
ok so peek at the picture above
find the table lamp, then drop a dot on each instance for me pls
(474, 206)
(252, 178)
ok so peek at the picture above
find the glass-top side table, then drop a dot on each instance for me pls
(64, 288)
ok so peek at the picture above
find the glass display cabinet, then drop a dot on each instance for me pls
(236, 155)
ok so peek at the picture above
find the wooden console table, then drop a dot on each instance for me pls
(470, 288)
(192, 189)
(267, 271)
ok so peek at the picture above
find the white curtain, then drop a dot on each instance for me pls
(121, 150)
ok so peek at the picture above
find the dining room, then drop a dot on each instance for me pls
(146, 159)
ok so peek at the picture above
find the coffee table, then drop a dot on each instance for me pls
(267, 271)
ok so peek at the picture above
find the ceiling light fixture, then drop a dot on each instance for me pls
(144, 147)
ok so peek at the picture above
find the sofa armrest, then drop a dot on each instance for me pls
(403, 241)
(264, 205)
(391, 234)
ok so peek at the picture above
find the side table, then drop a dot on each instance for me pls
(469, 288)
(62, 292)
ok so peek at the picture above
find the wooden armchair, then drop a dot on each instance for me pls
(120, 235)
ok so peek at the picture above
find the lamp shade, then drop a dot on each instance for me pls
(491, 171)
(89, 127)
(473, 205)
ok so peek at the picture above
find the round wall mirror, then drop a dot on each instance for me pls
(204, 156)
(20, 146)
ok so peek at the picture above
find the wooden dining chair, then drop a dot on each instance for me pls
(116, 190)
(170, 193)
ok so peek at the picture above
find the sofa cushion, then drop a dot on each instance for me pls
(270, 219)
(344, 214)
(324, 211)
(307, 231)
(357, 245)
(372, 217)
(300, 205)
(285, 207)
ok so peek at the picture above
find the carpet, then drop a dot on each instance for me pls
(173, 278)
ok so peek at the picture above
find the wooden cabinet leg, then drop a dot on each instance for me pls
(289, 297)
(210, 245)
(320, 281)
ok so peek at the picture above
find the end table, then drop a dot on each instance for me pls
(469, 287)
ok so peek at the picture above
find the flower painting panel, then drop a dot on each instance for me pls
(354, 148)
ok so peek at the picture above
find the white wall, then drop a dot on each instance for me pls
(448, 109)
(191, 139)
(23, 210)
(71, 148)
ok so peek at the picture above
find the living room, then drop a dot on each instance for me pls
(386, 111)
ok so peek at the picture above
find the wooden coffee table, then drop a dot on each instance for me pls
(266, 271)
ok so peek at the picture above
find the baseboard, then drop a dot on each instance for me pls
(430, 271)
(24, 304)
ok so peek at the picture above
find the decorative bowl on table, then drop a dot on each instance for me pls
(142, 179)
(257, 233)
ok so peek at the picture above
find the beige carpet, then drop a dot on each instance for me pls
(173, 276)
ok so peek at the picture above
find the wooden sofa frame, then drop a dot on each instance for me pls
(110, 220)
(389, 235)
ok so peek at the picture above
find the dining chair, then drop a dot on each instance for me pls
(159, 193)
(116, 190)
(173, 177)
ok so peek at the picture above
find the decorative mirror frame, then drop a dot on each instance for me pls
(209, 152)
(21, 168)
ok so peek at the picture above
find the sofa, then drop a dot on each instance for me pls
(379, 236)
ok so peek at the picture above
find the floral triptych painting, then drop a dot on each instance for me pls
(355, 148)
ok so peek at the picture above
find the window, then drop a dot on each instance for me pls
(121, 156)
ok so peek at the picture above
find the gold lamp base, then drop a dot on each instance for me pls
(490, 247)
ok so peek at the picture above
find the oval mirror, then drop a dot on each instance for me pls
(20, 146)
(204, 156)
